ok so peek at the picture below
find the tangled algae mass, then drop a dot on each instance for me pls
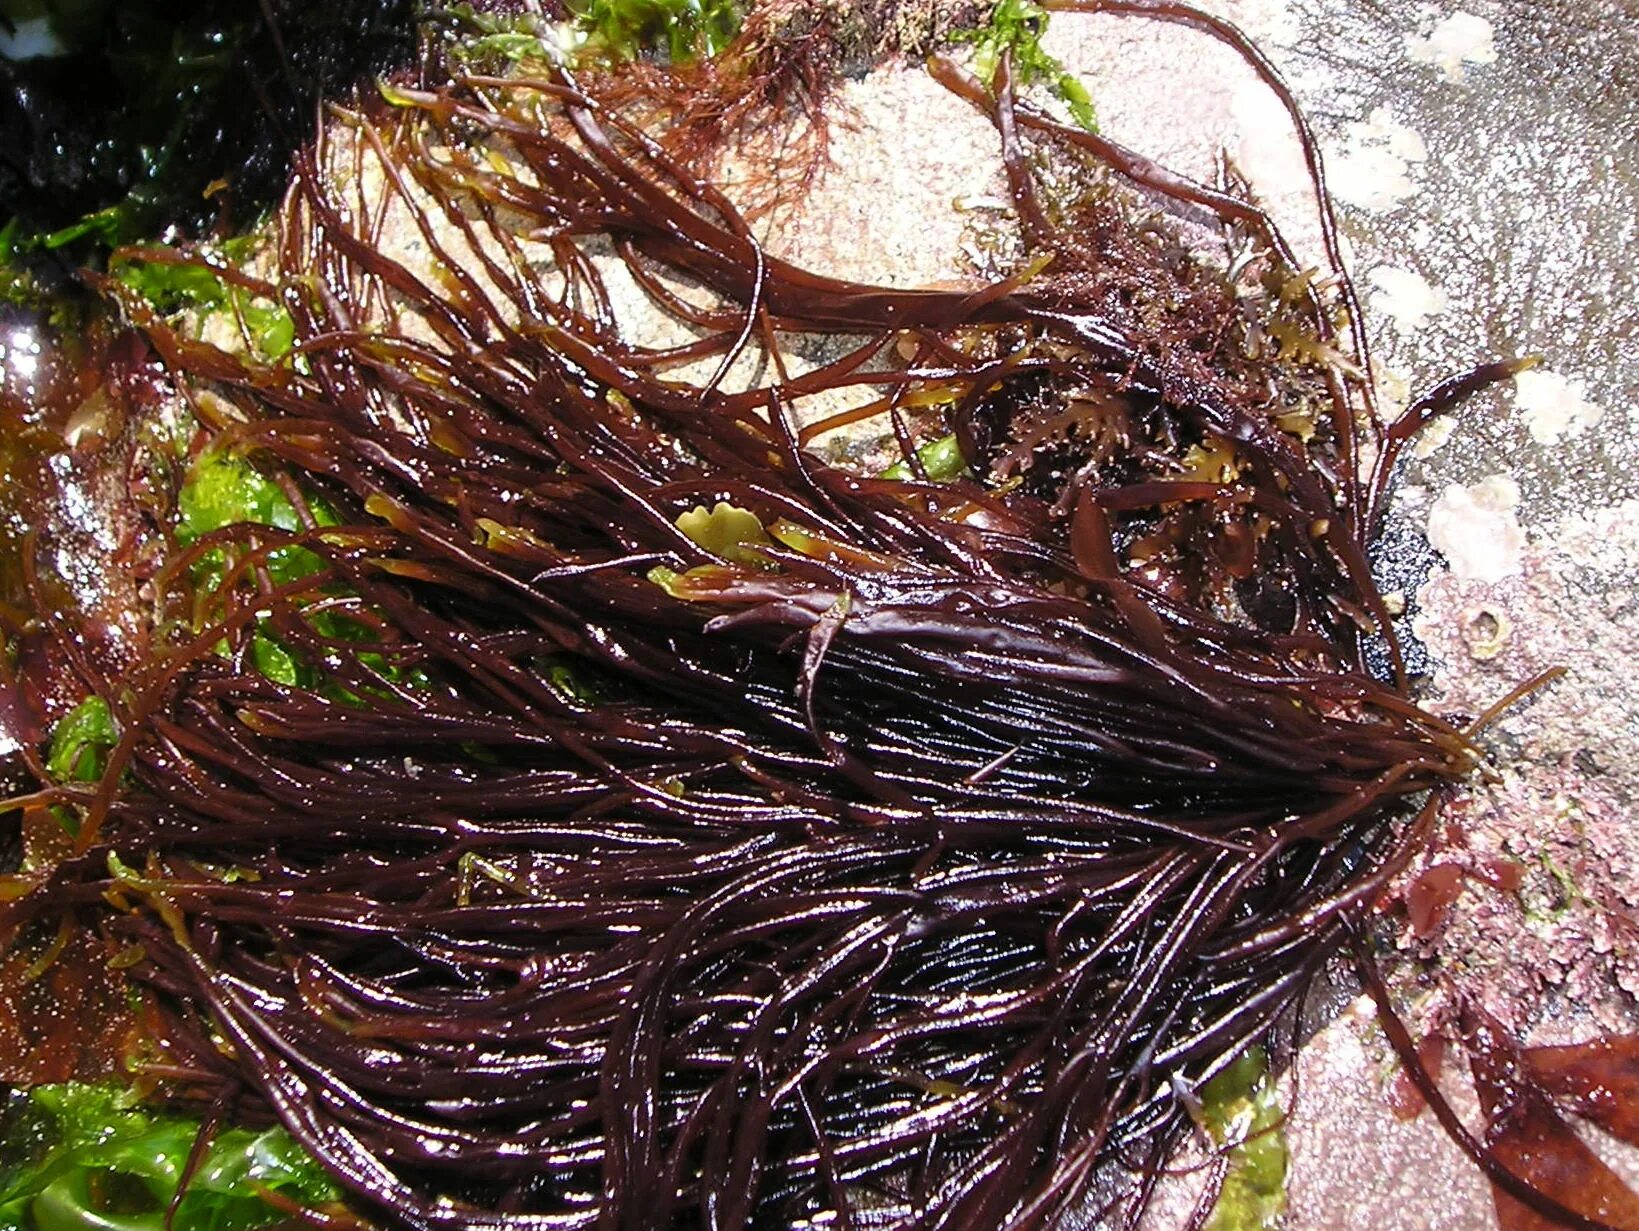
(602, 807)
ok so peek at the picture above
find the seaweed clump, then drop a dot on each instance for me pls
(652, 824)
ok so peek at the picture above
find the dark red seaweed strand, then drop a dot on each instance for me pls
(897, 866)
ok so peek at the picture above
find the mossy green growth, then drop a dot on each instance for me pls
(17, 285)
(478, 37)
(195, 284)
(681, 30)
(1016, 27)
(224, 489)
(22, 287)
(90, 1158)
(1242, 1112)
(81, 741)
(941, 460)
